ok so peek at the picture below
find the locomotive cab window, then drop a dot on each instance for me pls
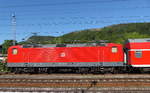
(14, 51)
(114, 49)
(138, 54)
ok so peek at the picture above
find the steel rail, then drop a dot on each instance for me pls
(78, 90)
(83, 80)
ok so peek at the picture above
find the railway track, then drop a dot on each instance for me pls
(66, 83)
(84, 80)
(73, 76)
(80, 83)
(78, 90)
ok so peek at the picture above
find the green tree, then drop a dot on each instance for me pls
(6, 45)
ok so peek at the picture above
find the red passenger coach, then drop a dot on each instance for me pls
(69, 55)
(138, 52)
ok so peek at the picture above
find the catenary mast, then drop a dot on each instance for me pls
(14, 28)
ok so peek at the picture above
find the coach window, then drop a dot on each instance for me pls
(14, 51)
(114, 49)
(138, 54)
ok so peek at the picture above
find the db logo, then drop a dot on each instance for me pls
(62, 54)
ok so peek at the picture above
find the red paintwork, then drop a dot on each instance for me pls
(132, 59)
(67, 54)
(141, 45)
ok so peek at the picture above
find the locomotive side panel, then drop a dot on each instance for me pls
(110, 55)
(116, 52)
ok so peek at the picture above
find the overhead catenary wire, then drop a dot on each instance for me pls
(78, 17)
(24, 15)
(22, 33)
(71, 10)
(65, 3)
(89, 21)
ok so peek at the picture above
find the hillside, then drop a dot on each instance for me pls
(115, 33)
(38, 40)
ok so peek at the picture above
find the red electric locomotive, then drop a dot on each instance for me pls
(94, 57)
(75, 56)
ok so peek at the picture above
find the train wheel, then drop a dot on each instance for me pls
(50, 71)
(16, 70)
